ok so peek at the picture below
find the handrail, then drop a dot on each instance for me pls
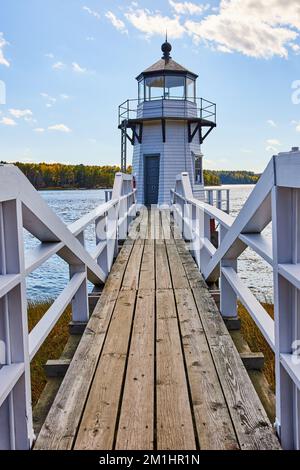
(21, 206)
(199, 108)
(276, 199)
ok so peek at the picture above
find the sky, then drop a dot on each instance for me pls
(66, 65)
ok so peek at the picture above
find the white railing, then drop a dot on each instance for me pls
(218, 197)
(276, 199)
(21, 207)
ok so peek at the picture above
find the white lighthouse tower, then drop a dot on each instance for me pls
(166, 125)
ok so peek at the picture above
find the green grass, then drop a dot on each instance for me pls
(52, 347)
(257, 342)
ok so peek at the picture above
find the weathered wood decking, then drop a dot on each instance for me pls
(156, 367)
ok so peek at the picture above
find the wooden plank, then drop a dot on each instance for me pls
(97, 428)
(162, 274)
(156, 228)
(179, 278)
(60, 427)
(174, 418)
(250, 421)
(143, 235)
(166, 227)
(132, 274)
(136, 426)
(147, 274)
(213, 421)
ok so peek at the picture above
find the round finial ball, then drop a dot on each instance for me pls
(166, 47)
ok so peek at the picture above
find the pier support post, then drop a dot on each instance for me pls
(228, 299)
(16, 429)
(80, 302)
(286, 250)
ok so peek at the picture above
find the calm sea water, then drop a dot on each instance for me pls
(49, 280)
(254, 271)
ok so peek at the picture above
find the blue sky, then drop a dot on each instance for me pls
(68, 64)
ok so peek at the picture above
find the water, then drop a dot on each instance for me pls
(50, 279)
(252, 269)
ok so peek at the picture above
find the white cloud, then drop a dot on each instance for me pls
(272, 145)
(39, 130)
(92, 12)
(21, 113)
(116, 22)
(49, 55)
(60, 128)
(252, 27)
(274, 142)
(188, 8)
(154, 23)
(50, 101)
(48, 97)
(295, 48)
(6, 121)
(59, 66)
(3, 43)
(296, 124)
(90, 38)
(271, 123)
(77, 68)
(255, 28)
(63, 96)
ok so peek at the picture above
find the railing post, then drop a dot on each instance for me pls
(80, 302)
(16, 429)
(228, 201)
(101, 237)
(123, 218)
(228, 297)
(286, 250)
(187, 221)
(219, 199)
(204, 234)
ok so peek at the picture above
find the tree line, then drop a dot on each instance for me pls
(216, 178)
(56, 175)
(59, 176)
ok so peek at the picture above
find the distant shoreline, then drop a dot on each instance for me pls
(55, 188)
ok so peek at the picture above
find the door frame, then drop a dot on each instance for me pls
(151, 155)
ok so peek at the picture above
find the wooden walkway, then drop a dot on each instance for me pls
(156, 367)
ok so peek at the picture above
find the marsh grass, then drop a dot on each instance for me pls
(256, 341)
(52, 347)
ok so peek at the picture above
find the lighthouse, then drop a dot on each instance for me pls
(166, 125)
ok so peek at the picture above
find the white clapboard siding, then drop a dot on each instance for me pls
(176, 156)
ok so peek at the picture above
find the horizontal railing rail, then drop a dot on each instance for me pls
(193, 107)
(21, 206)
(276, 199)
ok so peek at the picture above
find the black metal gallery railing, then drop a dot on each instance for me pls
(172, 107)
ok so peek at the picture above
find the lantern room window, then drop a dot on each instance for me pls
(154, 88)
(168, 87)
(190, 89)
(174, 87)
